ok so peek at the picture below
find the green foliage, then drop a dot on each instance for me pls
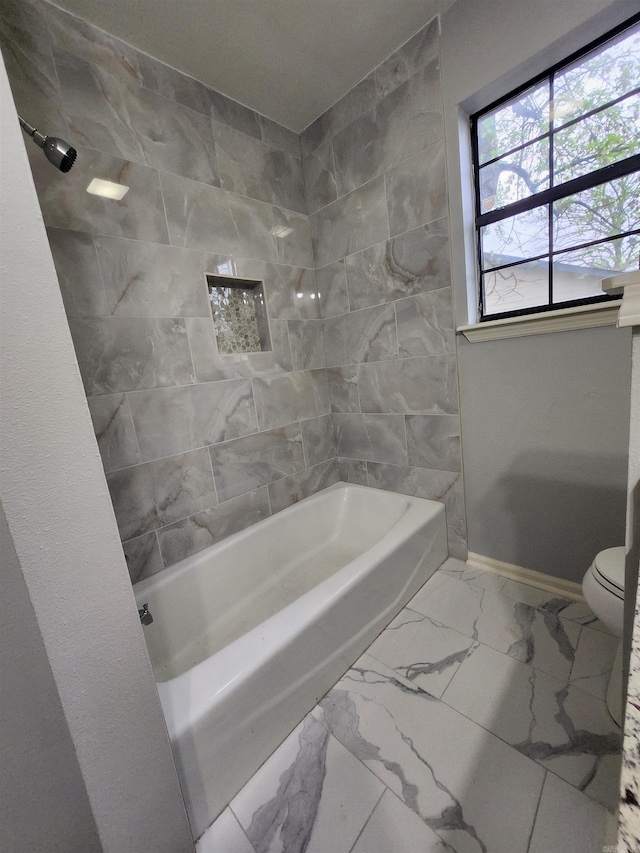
(608, 136)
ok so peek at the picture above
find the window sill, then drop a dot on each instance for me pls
(562, 320)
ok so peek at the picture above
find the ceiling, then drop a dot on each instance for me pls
(288, 59)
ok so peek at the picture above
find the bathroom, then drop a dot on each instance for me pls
(362, 383)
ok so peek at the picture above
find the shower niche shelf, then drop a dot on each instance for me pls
(239, 312)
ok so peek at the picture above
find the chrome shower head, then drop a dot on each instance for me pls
(56, 150)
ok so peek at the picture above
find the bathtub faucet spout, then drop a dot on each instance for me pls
(145, 617)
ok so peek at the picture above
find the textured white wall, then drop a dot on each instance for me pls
(60, 519)
(36, 811)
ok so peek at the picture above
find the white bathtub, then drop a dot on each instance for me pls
(248, 635)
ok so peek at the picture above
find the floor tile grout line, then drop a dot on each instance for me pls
(535, 816)
(364, 826)
(237, 819)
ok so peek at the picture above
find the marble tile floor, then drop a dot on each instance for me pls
(474, 723)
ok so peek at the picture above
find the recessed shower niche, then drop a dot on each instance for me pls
(239, 311)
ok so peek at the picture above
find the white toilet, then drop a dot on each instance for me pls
(603, 588)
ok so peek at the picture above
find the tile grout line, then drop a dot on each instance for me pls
(237, 819)
(377, 803)
(535, 816)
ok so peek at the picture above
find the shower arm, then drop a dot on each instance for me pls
(37, 137)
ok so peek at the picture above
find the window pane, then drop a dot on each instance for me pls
(599, 212)
(602, 139)
(578, 274)
(604, 259)
(516, 176)
(603, 75)
(516, 238)
(516, 288)
(514, 123)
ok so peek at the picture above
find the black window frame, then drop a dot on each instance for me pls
(598, 177)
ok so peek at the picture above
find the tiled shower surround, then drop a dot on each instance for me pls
(197, 445)
(374, 168)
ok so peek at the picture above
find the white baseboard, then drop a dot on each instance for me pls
(565, 589)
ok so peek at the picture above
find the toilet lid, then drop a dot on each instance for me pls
(610, 565)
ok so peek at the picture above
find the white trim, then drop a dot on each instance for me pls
(629, 284)
(558, 586)
(562, 320)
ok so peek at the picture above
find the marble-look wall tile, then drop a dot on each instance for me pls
(78, 271)
(412, 263)
(417, 190)
(127, 354)
(154, 494)
(210, 366)
(143, 556)
(284, 398)
(411, 385)
(425, 324)
(366, 335)
(98, 106)
(290, 290)
(167, 81)
(247, 463)
(351, 223)
(353, 471)
(147, 280)
(127, 121)
(293, 237)
(66, 203)
(377, 438)
(258, 170)
(280, 137)
(113, 427)
(401, 124)
(418, 51)
(234, 114)
(319, 177)
(174, 420)
(191, 535)
(212, 220)
(290, 490)
(318, 440)
(91, 44)
(357, 101)
(26, 51)
(333, 295)
(306, 342)
(343, 389)
(132, 273)
(433, 441)
(444, 486)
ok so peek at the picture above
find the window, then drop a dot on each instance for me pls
(557, 182)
